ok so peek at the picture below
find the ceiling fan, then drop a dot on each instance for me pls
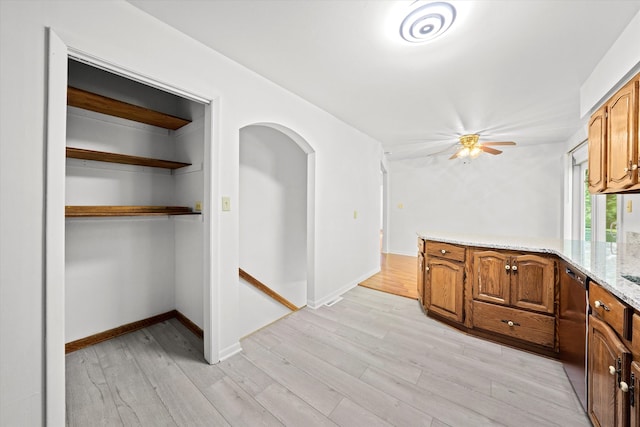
(469, 146)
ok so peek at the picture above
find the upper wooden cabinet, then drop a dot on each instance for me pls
(597, 151)
(613, 142)
(622, 138)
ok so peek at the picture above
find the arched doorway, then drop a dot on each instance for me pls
(275, 221)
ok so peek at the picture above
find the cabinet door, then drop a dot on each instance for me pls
(608, 365)
(491, 277)
(445, 288)
(597, 152)
(420, 284)
(634, 394)
(622, 138)
(533, 283)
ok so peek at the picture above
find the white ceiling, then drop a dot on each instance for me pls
(509, 70)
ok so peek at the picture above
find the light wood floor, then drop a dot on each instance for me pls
(373, 359)
(398, 276)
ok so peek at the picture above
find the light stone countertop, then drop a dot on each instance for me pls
(604, 263)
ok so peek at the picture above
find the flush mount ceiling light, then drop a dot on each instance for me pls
(426, 21)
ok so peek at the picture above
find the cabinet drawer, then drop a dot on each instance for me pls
(445, 250)
(531, 327)
(610, 309)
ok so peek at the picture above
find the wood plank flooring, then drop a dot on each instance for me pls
(373, 359)
(398, 276)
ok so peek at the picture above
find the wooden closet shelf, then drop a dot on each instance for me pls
(102, 156)
(102, 211)
(102, 104)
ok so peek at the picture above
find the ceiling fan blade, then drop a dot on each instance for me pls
(499, 143)
(455, 155)
(490, 150)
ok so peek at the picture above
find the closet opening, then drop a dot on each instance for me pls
(136, 217)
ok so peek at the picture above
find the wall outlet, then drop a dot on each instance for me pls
(198, 207)
(355, 214)
(226, 204)
(629, 206)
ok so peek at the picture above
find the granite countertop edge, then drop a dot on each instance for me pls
(606, 273)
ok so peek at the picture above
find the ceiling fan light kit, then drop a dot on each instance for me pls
(472, 149)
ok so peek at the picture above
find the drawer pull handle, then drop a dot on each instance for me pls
(599, 304)
(510, 322)
(624, 387)
(442, 251)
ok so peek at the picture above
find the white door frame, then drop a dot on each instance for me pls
(54, 261)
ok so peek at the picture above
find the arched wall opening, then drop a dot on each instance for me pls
(275, 221)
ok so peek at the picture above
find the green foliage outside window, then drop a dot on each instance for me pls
(611, 214)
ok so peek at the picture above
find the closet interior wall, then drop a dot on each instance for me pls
(124, 269)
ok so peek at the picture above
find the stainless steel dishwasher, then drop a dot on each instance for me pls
(572, 328)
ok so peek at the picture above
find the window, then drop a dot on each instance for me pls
(593, 217)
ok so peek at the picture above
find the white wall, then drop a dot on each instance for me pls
(273, 211)
(517, 193)
(346, 170)
(620, 62)
(189, 230)
(273, 224)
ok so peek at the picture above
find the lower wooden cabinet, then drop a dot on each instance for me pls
(519, 280)
(420, 284)
(523, 325)
(444, 283)
(607, 376)
(634, 394)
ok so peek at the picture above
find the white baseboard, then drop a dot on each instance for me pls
(335, 294)
(230, 351)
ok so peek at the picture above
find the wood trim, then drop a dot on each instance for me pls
(100, 211)
(197, 330)
(102, 104)
(116, 332)
(103, 156)
(267, 290)
(76, 345)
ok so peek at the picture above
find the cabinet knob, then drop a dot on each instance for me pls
(507, 267)
(511, 323)
(427, 268)
(624, 387)
(634, 167)
(599, 304)
(443, 251)
(514, 268)
(612, 370)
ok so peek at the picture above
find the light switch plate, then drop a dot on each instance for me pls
(226, 204)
